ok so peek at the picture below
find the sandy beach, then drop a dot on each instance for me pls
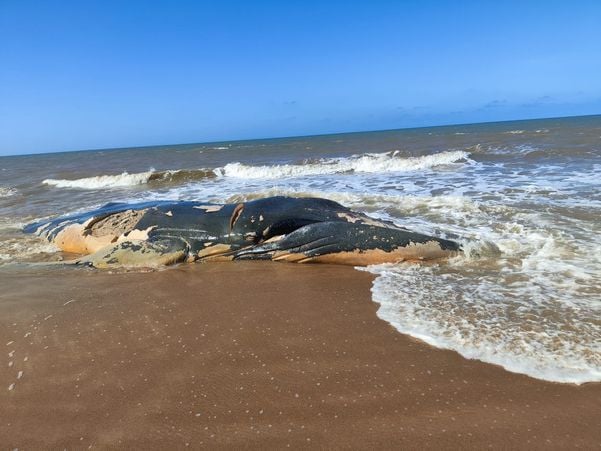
(252, 355)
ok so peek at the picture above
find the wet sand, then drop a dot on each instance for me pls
(252, 355)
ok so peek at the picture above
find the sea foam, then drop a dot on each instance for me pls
(528, 303)
(481, 320)
(7, 191)
(16, 246)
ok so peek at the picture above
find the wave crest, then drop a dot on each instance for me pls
(102, 181)
(366, 163)
(126, 179)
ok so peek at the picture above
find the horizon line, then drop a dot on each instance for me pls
(296, 136)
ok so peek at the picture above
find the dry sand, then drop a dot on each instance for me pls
(257, 355)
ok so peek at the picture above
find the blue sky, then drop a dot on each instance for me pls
(80, 75)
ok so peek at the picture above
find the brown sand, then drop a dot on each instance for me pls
(259, 355)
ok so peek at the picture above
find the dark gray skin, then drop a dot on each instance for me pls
(275, 228)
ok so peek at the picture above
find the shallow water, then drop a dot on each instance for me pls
(523, 197)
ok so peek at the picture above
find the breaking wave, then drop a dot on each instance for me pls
(102, 181)
(365, 163)
(126, 179)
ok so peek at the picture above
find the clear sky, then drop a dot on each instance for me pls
(84, 74)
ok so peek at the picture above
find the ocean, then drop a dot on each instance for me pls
(523, 198)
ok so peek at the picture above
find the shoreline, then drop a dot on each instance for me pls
(249, 355)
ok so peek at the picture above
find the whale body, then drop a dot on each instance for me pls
(303, 230)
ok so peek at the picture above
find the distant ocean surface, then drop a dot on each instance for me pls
(524, 197)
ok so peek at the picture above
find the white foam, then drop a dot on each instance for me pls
(503, 149)
(359, 200)
(102, 181)
(16, 246)
(23, 249)
(365, 163)
(481, 319)
(524, 296)
(7, 191)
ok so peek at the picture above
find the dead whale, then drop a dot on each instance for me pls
(303, 230)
